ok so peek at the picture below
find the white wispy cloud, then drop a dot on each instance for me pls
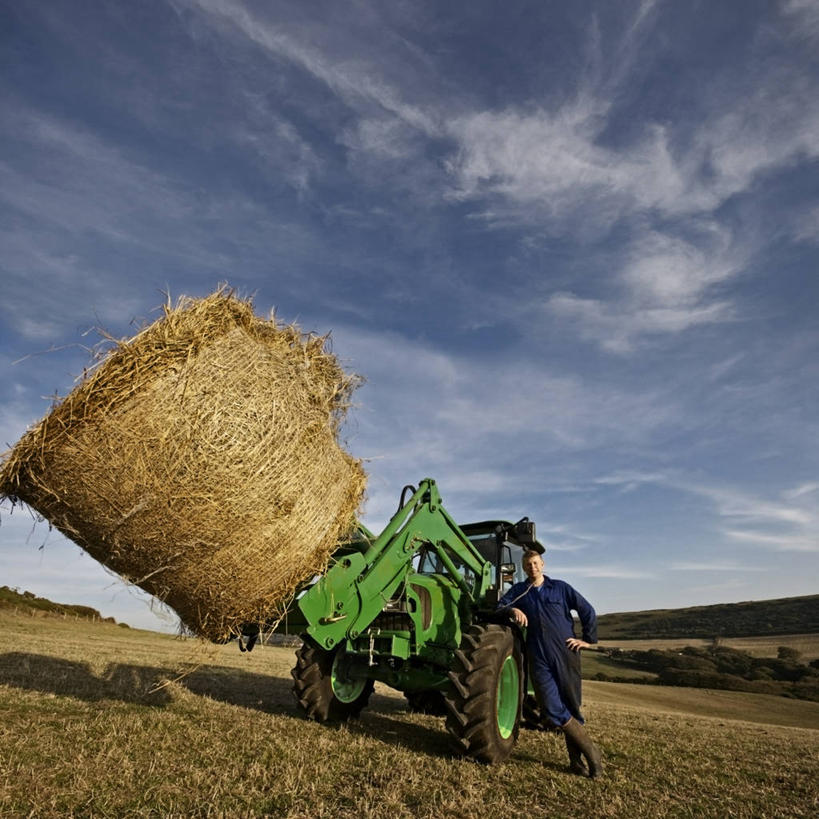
(785, 542)
(565, 538)
(611, 571)
(630, 479)
(552, 165)
(479, 399)
(788, 521)
(802, 490)
(806, 226)
(554, 168)
(558, 161)
(743, 506)
(667, 272)
(716, 566)
(466, 422)
(351, 79)
(552, 162)
(276, 145)
(719, 369)
(725, 590)
(618, 325)
(554, 545)
(81, 225)
(804, 17)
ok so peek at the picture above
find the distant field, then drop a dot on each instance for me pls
(702, 702)
(594, 663)
(807, 644)
(84, 730)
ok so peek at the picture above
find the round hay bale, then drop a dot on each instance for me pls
(200, 461)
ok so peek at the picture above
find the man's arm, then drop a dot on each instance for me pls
(515, 593)
(588, 619)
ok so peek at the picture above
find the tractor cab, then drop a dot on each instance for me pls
(503, 543)
(499, 542)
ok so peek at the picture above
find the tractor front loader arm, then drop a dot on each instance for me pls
(351, 594)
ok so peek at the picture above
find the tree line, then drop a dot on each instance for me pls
(723, 668)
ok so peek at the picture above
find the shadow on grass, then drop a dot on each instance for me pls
(431, 740)
(545, 760)
(52, 675)
(145, 685)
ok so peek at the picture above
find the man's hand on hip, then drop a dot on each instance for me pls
(574, 644)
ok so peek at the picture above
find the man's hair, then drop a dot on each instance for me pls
(530, 553)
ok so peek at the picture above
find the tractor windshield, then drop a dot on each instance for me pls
(430, 563)
(487, 545)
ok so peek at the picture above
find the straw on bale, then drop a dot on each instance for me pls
(200, 460)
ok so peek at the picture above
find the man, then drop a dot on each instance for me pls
(545, 607)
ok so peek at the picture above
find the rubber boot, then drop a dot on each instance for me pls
(576, 764)
(577, 733)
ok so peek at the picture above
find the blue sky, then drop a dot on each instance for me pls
(571, 246)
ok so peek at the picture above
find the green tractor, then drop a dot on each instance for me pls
(415, 608)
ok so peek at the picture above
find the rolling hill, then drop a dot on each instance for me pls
(788, 615)
(28, 602)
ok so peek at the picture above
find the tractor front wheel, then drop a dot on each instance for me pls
(486, 692)
(322, 687)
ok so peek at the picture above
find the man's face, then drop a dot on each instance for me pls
(533, 566)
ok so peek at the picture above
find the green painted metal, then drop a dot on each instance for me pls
(345, 689)
(508, 699)
(333, 601)
(444, 626)
(351, 595)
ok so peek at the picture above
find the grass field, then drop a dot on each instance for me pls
(84, 731)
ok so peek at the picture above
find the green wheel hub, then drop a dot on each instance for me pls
(508, 694)
(345, 690)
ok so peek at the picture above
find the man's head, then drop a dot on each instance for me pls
(533, 565)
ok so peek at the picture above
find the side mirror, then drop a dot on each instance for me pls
(524, 532)
(507, 568)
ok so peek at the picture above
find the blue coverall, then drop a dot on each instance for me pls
(555, 669)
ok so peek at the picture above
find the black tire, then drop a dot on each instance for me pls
(426, 702)
(313, 686)
(472, 702)
(531, 717)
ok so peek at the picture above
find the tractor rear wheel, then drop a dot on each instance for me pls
(486, 692)
(323, 689)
